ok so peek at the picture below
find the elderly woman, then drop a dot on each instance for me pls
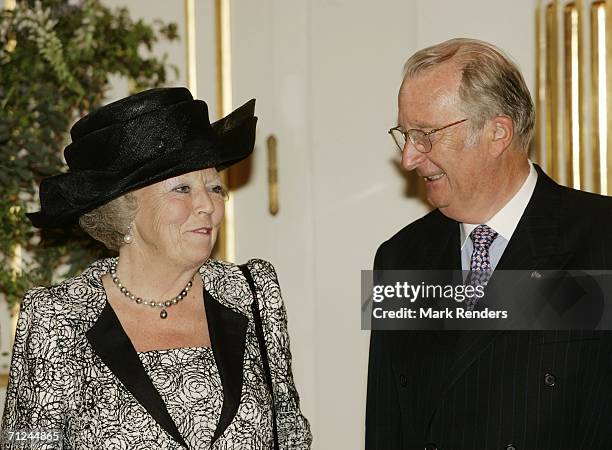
(162, 347)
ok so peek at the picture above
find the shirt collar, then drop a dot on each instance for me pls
(507, 218)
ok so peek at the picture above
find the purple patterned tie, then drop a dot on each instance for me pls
(480, 264)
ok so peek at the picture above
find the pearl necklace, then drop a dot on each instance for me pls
(161, 304)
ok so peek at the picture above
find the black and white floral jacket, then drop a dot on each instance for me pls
(75, 371)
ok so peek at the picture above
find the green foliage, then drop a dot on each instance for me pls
(56, 57)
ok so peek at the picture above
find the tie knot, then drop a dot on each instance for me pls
(483, 236)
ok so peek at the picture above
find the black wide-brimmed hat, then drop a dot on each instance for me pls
(137, 141)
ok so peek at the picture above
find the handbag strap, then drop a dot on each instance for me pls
(262, 347)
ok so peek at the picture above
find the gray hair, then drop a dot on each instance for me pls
(491, 83)
(110, 222)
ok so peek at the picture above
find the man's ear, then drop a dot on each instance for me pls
(502, 132)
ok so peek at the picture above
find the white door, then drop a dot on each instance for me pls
(325, 74)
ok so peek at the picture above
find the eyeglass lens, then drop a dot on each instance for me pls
(417, 138)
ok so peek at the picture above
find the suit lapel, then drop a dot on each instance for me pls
(535, 242)
(463, 347)
(227, 330)
(441, 248)
(442, 251)
(534, 245)
(112, 345)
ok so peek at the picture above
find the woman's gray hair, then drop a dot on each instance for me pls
(110, 222)
(491, 83)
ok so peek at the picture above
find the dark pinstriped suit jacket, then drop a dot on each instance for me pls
(497, 390)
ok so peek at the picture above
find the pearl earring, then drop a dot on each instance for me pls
(127, 237)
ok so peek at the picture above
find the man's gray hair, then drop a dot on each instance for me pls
(491, 83)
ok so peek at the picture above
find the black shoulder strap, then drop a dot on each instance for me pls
(262, 348)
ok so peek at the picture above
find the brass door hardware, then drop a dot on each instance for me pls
(271, 142)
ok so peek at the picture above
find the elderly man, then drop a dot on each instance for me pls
(465, 123)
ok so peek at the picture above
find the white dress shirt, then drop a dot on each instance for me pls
(504, 222)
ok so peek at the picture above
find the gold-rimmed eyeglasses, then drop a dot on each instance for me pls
(419, 138)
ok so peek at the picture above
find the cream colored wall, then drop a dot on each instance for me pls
(508, 24)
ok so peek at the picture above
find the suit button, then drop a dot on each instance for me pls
(550, 380)
(510, 447)
(403, 380)
(431, 446)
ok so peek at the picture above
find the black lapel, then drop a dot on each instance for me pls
(444, 253)
(534, 245)
(112, 345)
(227, 330)
(535, 242)
(441, 251)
